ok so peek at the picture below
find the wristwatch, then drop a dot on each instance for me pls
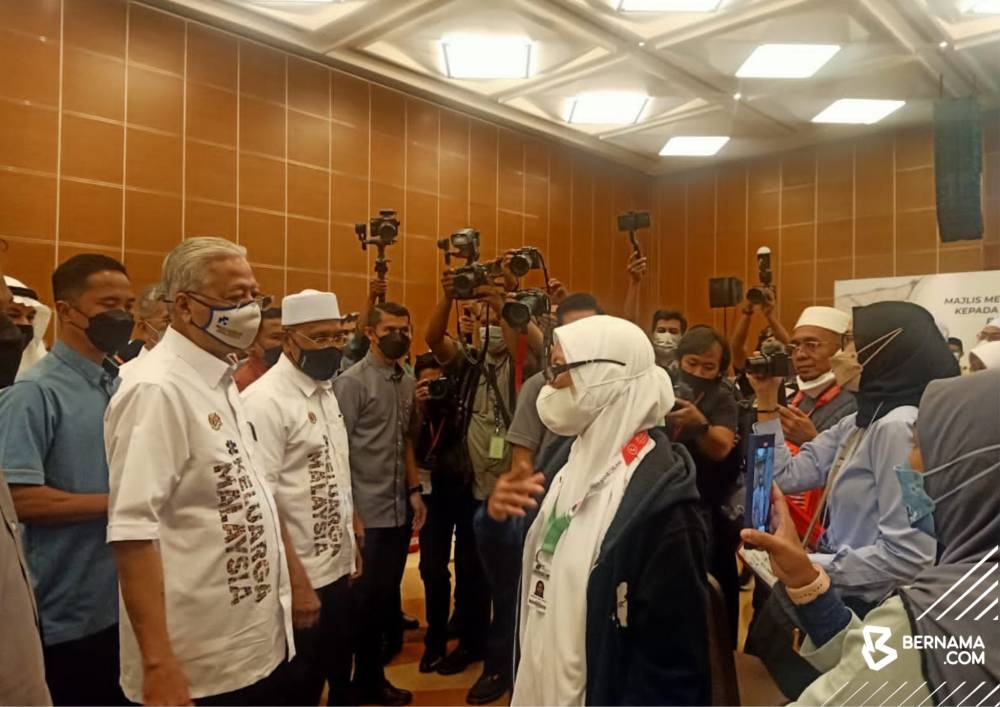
(415, 489)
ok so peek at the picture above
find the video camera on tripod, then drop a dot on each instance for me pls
(384, 230)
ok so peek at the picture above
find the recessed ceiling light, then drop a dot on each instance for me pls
(986, 7)
(294, 2)
(668, 5)
(694, 146)
(737, 96)
(786, 61)
(942, 45)
(486, 56)
(607, 108)
(642, 44)
(858, 110)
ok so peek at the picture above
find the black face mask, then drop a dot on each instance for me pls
(272, 355)
(10, 350)
(27, 335)
(320, 364)
(394, 345)
(110, 331)
(700, 386)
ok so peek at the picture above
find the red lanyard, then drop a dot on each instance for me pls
(435, 437)
(829, 394)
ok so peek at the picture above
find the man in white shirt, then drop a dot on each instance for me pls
(303, 447)
(206, 611)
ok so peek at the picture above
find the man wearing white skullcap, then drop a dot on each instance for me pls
(985, 356)
(820, 402)
(991, 332)
(27, 311)
(303, 445)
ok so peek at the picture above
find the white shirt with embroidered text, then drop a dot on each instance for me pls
(184, 474)
(302, 444)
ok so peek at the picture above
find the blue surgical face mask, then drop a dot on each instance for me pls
(920, 506)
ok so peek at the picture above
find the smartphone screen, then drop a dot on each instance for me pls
(760, 475)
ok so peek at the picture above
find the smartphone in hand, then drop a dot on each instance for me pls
(759, 477)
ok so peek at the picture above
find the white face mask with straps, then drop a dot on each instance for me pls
(845, 365)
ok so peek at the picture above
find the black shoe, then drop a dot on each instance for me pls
(391, 650)
(490, 687)
(433, 657)
(387, 695)
(458, 660)
(410, 623)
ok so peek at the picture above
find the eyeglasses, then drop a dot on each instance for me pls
(263, 301)
(553, 372)
(810, 347)
(322, 341)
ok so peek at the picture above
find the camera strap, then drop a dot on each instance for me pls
(522, 353)
(499, 407)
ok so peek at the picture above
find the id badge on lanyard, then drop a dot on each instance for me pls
(557, 524)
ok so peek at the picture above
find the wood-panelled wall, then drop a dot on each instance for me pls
(124, 129)
(853, 209)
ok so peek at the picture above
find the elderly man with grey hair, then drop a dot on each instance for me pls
(206, 611)
(151, 322)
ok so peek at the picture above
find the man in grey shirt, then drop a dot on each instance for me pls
(376, 400)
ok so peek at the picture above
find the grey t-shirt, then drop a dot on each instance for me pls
(377, 404)
(526, 429)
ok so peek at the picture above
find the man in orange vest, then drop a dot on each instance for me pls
(819, 402)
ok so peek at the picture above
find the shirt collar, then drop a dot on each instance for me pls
(211, 369)
(307, 384)
(388, 371)
(92, 372)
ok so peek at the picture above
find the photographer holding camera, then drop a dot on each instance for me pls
(485, 378)
(764, 298)
(705, 420)
(445, 475)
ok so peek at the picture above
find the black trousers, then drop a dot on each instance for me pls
(323, 651)
(450, 509)
(376, 602)
(85, 671)
(503, 627)
(272, 690)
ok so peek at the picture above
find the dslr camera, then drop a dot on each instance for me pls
(682, 391)
(384, 229)
(440, 388)
(526, 305)
(525, 259)
(755, 295)
(773, 361)
(464, 244)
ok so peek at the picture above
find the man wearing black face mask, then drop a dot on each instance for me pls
(51, 450)
(303, 443)
(376, 399)
(706, 424)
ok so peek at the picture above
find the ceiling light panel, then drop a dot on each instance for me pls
(694, 145)
(294, 2)
(607, 108)
(786, 61)
(669, 5)
(487, 57)
(986, 7)
(863, 111)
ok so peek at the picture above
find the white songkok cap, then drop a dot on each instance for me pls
(309, 306)
(989, 353)
(825, 318)
(994, 323)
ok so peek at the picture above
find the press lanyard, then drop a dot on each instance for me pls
(829, 394)
(558, 523)
(435, 436)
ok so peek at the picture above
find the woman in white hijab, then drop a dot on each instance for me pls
(985, 356)
(613, 605)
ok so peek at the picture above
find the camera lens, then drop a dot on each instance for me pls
(464, 284)
(755, 295)
(519, 265)
(517, 314)
(437, 389)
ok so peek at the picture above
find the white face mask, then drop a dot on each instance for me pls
(666, 339)
(560, 412)
(817, 385)
(234, 326)
(497, 344)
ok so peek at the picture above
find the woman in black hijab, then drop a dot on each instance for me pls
(950, 488)
(868, 548)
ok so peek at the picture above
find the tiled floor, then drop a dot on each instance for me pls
(756, 687)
